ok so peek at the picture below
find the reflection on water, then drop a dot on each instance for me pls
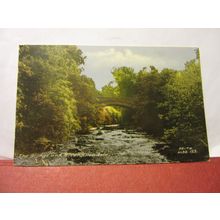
(104, 146)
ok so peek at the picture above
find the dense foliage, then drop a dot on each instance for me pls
(55, 100)
(167, 104)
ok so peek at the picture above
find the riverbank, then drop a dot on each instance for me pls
(101, 146)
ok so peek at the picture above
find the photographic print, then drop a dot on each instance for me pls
(90, 105)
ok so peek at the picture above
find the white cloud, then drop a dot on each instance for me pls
(112, 57)
(101, 60)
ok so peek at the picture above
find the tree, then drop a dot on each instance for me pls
(182, 109)
(125, 78)
(110, 90)
(46, 103)
(148, 94)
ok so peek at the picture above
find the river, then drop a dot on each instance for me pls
(108, 145)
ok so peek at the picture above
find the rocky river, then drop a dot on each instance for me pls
(107, 145)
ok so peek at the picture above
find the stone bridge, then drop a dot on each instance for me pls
(114, 101)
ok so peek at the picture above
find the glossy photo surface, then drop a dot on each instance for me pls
(90, 105)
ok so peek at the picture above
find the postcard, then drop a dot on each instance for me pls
(90, 105)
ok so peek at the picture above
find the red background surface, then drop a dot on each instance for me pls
(182, 177)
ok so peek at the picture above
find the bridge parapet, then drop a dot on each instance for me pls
(115, 101)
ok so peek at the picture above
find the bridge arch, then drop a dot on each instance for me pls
(114, 101)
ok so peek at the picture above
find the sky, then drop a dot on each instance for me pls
(101, 59)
